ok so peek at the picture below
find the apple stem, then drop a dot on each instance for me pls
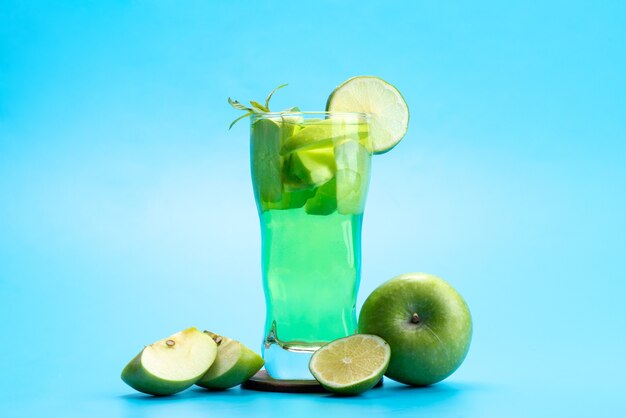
(415, 318)
(170, 343)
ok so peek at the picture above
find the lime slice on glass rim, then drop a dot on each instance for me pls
(351, 365)
(373, 95)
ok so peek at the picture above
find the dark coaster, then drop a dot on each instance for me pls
(264, 383)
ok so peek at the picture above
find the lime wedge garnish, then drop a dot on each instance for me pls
(351, 365)
(389, 112)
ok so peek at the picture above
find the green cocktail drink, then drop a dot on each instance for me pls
(310, 173)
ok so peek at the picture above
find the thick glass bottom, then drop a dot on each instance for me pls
(288, 363)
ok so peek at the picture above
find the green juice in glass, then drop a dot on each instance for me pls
(310, 174)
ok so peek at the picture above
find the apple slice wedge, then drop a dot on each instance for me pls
(235, 363)
(172, 364)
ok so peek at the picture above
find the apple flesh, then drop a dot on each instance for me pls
(235, 363)
(172, 364)
(426, 323)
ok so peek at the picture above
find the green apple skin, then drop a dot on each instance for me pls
(235, 363)
(426, 323)
(137, 377)
(176, 356)
(266, 163)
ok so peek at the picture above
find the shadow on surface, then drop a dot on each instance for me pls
(189, 394)
(398, 397)
(391, 398)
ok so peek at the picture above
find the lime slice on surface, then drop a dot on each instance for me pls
(389, 112)
(351, 365)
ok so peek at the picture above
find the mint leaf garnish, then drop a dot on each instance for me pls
(239, 118)
(269, 96)
(256, 106)
(237, 105)
(259, 106)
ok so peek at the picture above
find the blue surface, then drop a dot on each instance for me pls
(126, 210)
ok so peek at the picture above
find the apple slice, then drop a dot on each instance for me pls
(353, 170)
(172, 364)
(266, 161)
(313, 134)
(314, 166)
(325, 200)
(235, 363)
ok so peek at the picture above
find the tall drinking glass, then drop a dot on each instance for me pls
(310, 174)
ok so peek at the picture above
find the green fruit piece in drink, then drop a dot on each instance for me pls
(389, 113)
(297, 198)
(291, 182)
(235, 363)
(314, 166)
(351, 365)
(350, 199)
(353, 170)
(426, 323)
(326, 132)
(290, 124)
(266, 160)
(320, 133)
(172, 364)
(291, 199)
(325, 200)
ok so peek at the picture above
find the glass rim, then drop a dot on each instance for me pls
(360, 115)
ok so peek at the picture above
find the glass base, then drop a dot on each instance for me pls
(288, 363)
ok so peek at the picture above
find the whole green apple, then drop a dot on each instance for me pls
(426, 323)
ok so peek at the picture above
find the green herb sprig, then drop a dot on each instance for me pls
(256, 106)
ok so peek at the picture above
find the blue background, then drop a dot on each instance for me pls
(126, 210)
